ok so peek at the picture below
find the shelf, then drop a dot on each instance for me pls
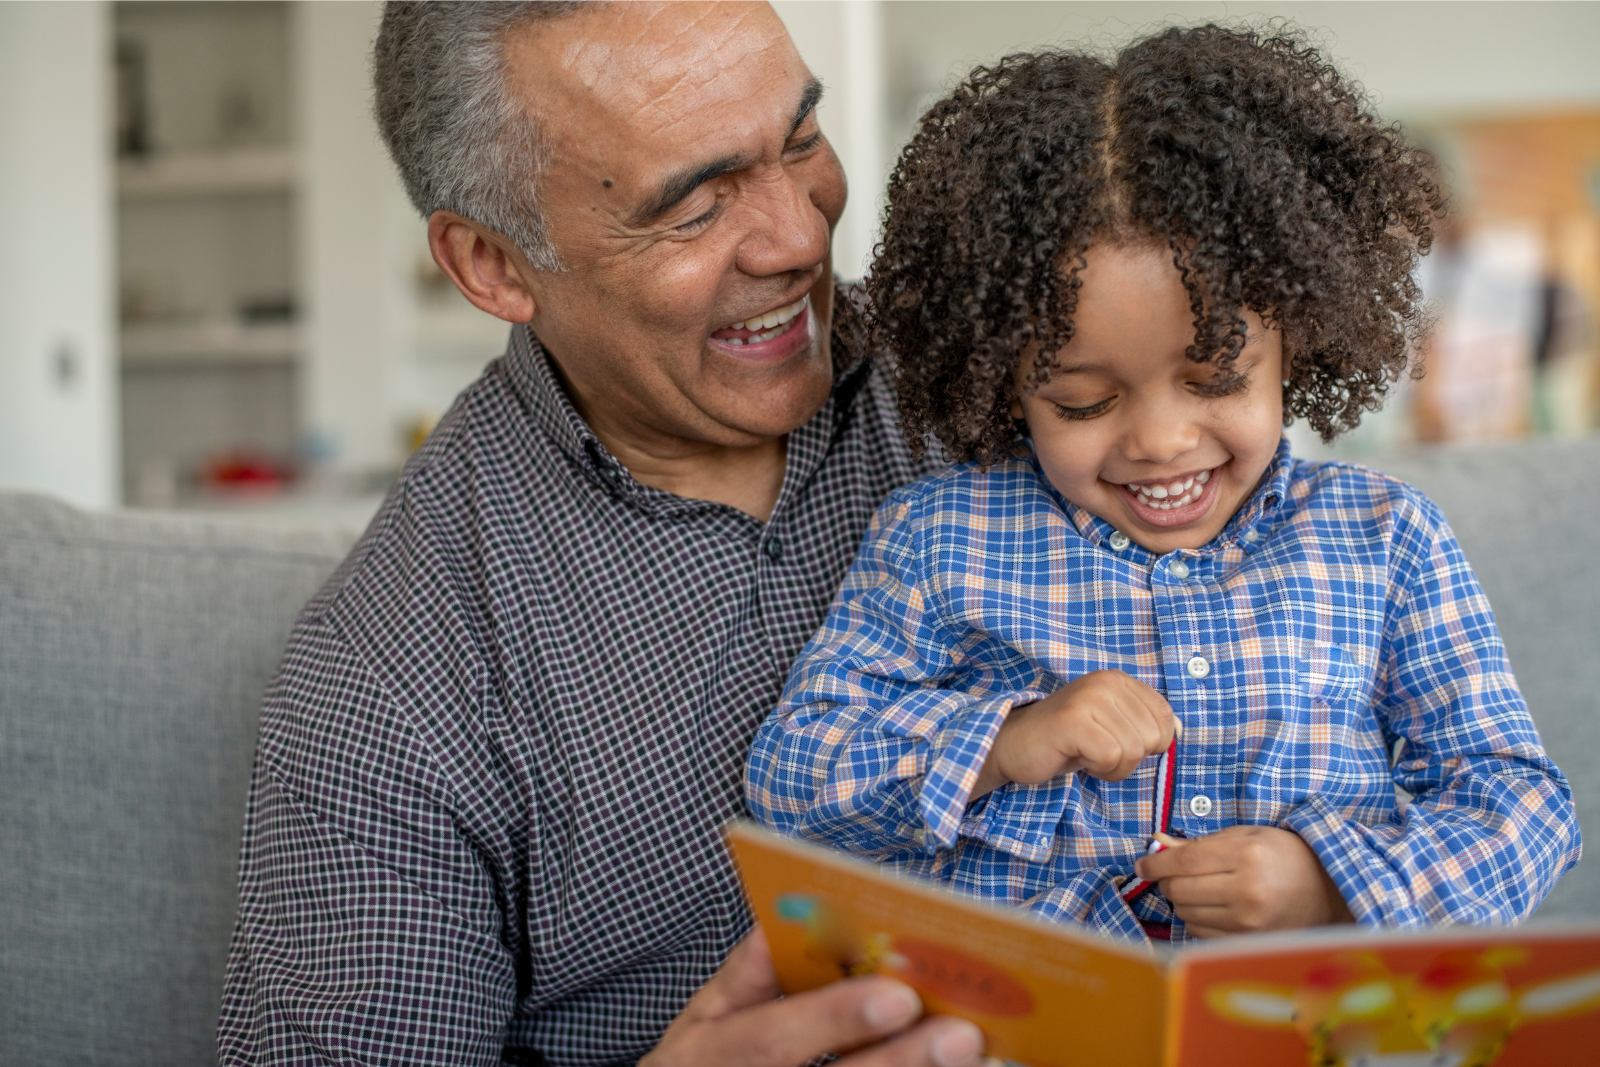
(208, 343)
(288, 507)
(233, 171)
(458, 330)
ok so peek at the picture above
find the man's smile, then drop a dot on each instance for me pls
(771, 336)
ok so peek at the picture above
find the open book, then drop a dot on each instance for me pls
(1052, 996)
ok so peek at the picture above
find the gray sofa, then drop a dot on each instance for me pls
(134, 650)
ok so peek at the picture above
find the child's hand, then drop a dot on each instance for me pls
(1245, 879)
(1103, 723)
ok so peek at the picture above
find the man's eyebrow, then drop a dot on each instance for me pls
(809, 99)
(681, 183)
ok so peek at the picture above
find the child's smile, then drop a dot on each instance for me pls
(1159, 446)
(1171, 502)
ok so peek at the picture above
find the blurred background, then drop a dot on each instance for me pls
(214, 294)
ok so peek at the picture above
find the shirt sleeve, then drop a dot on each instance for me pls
(368, 929)
(888, 716)
(1491, 826)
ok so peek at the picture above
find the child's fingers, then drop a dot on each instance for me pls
(1110, 750)
(1205, 933)
(1196, 856)
(1201, 890)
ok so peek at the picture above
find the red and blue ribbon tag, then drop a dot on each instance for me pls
(1162, 817)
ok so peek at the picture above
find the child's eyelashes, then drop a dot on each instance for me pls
(1074, 414)
(1220, 385)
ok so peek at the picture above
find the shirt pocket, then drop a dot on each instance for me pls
(1329, 676)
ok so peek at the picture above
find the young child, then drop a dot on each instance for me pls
(1127, 619)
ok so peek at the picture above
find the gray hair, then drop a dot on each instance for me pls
(460, 140)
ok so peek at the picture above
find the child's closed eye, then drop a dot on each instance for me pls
(1224, 383)
(1072, 414)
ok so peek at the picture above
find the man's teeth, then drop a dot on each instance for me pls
(771, 324)
(1169, 495)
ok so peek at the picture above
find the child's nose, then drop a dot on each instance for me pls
(1160, 433)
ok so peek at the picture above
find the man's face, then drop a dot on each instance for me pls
(691, 198)
(1132, 431)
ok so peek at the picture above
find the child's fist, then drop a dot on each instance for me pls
(1245, 879)
(1103, 723)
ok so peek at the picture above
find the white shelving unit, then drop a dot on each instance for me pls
(218, 343)
(208, 192)
(208, 173)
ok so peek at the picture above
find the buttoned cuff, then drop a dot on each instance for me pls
(1370, 887)
(959, 751)
(1021, 819)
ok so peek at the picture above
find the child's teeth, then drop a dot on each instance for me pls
(1203, 477)
(1157, 491)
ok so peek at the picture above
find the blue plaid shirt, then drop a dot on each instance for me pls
(1332, 616)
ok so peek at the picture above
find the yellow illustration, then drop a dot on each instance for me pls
(1457, 1011)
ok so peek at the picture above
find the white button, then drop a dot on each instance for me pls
(1198, 667)
(919, 837)
(1179, 569)
(1200, 805)
(1119, 541)
(1252, 536)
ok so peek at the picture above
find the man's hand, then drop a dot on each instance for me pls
(1245, 879)
(737, 1019)
(1103, 723)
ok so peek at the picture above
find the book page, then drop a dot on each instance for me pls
(1044, 995)
(1469, 998)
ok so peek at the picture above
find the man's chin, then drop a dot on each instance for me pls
(759, 412)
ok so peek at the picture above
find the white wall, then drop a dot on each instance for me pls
(1415, 56)
(345, 241)
(58, 428)
(843, 44)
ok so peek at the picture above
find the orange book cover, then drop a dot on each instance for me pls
(1053, 996)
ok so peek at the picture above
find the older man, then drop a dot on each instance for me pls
(484, 820)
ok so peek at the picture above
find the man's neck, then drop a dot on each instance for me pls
(745, 478)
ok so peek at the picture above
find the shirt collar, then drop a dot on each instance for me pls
(537, 381)
(1269, 494)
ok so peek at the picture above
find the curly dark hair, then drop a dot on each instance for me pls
(1245, 152)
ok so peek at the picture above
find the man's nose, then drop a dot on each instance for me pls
(788, 233)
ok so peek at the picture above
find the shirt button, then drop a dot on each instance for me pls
(1198, 668)
(1119, 541)
(774, 549)
(1179, 569)
(1252, 536)
(919, 837)
(1200, 805)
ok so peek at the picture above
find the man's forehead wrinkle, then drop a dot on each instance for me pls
(638, 62)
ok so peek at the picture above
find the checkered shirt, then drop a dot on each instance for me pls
(1333, 615)
(484, 817)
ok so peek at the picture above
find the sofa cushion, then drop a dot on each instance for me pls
(1528, 517)
(133, 656)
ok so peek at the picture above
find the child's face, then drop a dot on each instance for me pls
(1127, 412)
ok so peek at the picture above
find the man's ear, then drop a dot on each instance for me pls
(486, 267)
